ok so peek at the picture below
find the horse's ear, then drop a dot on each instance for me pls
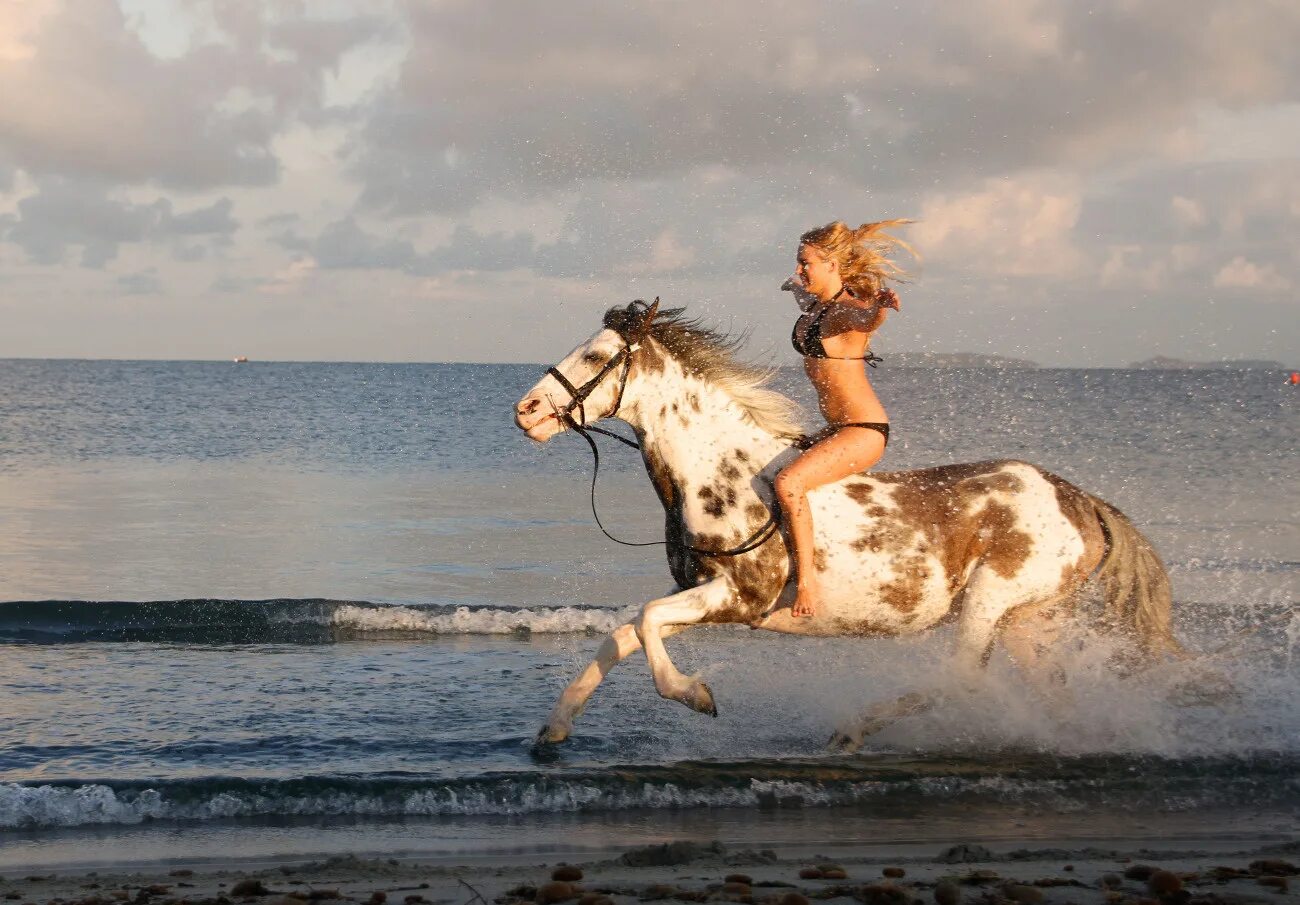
(649, 316)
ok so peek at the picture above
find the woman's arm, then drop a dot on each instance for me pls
(846, 318)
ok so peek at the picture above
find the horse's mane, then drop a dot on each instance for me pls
(711, 356)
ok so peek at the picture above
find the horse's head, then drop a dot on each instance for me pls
(589, 383)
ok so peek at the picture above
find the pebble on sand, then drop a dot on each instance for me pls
(884, 894)
(810, 873)
(249, 888)
(1022, 893)
(794, 898)
(894, 873)
(555, 891)
(1111, 881)
(378, 897)
(567, 873)
(947, 892)
(1279, 883)
(1164, 883)
(1274, 867)
(739, 878)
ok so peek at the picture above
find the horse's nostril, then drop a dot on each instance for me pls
(527, 408)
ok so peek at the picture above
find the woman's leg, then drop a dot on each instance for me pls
(847, 451)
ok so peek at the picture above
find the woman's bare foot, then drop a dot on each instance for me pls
(806, 603)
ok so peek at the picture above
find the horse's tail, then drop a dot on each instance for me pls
(1134, 584)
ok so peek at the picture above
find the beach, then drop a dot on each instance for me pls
(1227, 870)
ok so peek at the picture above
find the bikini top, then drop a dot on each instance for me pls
(808, 342)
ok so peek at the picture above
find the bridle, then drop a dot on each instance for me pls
(579, 395)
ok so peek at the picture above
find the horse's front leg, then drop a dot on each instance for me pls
(660, 617)
(621, 643)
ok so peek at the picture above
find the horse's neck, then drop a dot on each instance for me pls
(690, 429)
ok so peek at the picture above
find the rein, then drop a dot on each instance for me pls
(578, 396)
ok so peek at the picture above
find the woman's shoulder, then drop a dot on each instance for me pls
(859, 314)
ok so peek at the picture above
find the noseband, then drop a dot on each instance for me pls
(579, 395)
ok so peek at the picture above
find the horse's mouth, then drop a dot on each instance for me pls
(531, 430)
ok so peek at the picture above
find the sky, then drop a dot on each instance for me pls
(1093, 183)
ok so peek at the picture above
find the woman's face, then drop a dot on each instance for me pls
(817, 274)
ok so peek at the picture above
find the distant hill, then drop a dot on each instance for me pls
(1163, 363)
(954, 360)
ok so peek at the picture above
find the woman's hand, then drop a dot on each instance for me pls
(802, 297)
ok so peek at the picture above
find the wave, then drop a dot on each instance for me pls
(890, 785)
(282, 621)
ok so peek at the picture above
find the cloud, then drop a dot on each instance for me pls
(346, 245)
(143, 282)
(1240, 273)
(639, 92)
(399, 150)
(82, 96)
(64, 214)
(1013, 227)
(1188, 212)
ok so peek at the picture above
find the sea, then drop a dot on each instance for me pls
(292, 609)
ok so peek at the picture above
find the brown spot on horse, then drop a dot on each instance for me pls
(1008, 552)
(859, 492)
(714, 504)
(937, 503)
(905, 592)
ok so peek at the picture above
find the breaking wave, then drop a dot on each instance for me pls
(890, 785)
(282, 621)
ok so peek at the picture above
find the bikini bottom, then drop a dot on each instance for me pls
(807, 441)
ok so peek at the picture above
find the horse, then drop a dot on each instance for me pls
(1003, 548)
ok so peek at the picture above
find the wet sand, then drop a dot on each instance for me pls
(957, 874)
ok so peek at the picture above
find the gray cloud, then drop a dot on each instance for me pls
(862, 96)
(346, 245)
(144, 282)
(65, 214)
(1069, 160)
(92, 101)
(234, 285)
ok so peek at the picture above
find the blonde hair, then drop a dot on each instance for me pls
(862, 254)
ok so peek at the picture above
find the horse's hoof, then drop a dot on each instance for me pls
(842, 743)
(550, 735)
(702, 702)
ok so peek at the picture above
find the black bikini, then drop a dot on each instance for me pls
(810, 346)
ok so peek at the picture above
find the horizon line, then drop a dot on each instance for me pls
(1030, 365)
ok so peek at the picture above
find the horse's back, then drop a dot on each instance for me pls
(901, 546)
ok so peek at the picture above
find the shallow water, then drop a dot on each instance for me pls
(354, 592)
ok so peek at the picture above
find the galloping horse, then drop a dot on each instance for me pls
(1000, 547)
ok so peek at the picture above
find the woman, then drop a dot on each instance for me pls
(840, 280)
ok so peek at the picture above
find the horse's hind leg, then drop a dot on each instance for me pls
(1029, 633)
(621, 643)
(851, 735)
(986, 600)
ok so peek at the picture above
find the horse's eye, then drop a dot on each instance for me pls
(593, 358)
